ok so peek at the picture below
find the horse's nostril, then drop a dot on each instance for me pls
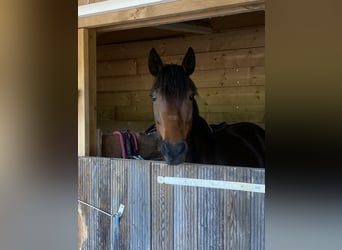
(174, 149)
(181, 147)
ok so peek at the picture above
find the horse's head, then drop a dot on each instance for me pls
(173, 95)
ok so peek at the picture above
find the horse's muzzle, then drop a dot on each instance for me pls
(174, 154)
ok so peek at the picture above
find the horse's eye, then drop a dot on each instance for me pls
(192, 96)
(153, 97)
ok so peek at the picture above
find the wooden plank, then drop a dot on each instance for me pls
(257, 214)
(162, 208)
(83, 93)
(245, 76)
(109, 126)
(232, 96)
(99, 7)
(234, 117)
(187, 28)
(134, 113)
(106, 113)
(125, 83)
(208, 78)
(119, 195)
(96, 226)
(86, 92)
(205, 97)
(117, 68)
(83, 2)
(114, 98)
(212, 114)
(185, 200)
(92, 92)
(124, 98)
(233, 59)
(223, 108)
(140, 208)
(216, 60)
(177, 11)
(210, 211)
(247, 37)
(232, 235)
(184, 18)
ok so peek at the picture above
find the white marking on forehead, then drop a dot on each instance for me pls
(172, 117)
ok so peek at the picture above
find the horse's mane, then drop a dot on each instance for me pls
(198, 123)
(173, 82)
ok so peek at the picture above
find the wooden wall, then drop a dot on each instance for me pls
(229, 75)
(162, 216)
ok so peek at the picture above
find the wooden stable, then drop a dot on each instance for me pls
(229, 41)
(228, 38)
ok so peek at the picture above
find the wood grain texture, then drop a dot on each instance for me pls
(162, 207)
(176, 11)
(160, 216)
(245, 37)
(229, 75)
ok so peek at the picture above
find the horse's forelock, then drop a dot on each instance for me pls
(173, 82)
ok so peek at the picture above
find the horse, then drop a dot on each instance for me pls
(185, 135)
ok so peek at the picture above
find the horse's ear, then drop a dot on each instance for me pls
(189, 61)
(154, 62)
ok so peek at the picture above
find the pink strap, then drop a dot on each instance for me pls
(123, 149)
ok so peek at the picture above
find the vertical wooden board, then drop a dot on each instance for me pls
(258, 213)
(92, 92)
(100, 183)
(185, 210)
(84, 179)
(83, 226)
(86, 92)
(162, 208)
(231, 230)
(119, 195)
(139, 204)
(210, 210)
(83, 93)
(96, 228)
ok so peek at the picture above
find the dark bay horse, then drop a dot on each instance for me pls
(185, 135)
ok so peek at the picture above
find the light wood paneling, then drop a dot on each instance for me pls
(229, 75)
(175, 11)
(247, 37)
(87, 92)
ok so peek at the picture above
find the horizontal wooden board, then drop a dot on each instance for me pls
(134, 113)
(116, 68)
(109, 126)
(145, 113)
(173, 12)
(204, 61)
(207, 96)
(208, 78)
(251, 95)
(249, 37)
(123, 98)
(125, 83)
(231, 117)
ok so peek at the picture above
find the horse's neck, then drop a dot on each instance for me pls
(201, 145)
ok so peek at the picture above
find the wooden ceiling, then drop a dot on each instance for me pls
(202, 26)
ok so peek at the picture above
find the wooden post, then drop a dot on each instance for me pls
(86, 92)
